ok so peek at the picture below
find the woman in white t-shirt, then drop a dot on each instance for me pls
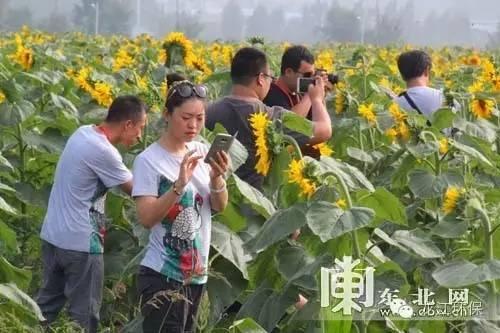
(175, 193)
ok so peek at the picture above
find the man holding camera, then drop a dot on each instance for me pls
(297, 63)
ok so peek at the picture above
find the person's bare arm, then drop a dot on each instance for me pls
(322, 125)
(303, 107)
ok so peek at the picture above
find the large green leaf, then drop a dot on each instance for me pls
(418, 242)
(385, 204)
(8, 242)
(426, 185)
(277, 173)
(63, 103)
(297, 123)
(4, 206)
(400, 177)
(232, 217)
(4, 163)
(352, 176)
(51, 140)
(267, 306)
(450, 229)
(442, 118)
(463, 273)
(298, 268)
(224, 286)
(15, 113)
(423, 150)
(247, 325)
(230, 246)
(14, 294)
(9, 273)
(359, 155)
(253, 197)
(472, 152)
(279, 226)
(328, 221)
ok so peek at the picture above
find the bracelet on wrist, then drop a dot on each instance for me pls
(176, 189)
(219, 190)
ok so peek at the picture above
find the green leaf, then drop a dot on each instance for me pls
(472, 152)
(10, 273)
(14, 294)
(450, 229)
(12, 114)
(267, 306)
(224, 286)
(400, 177)
(247, 325)
(63, 103)
(8, 243)
(418, 242)
(386, 206)
(481, 128)
(230, 246)
(231, 217)
(298, 268)
(253, 197)
(352, 176)
(463, 273)
(277, 173)
(279, 226)
(359, 155)
(4, 163)
(297, 123)
(442, 118)
(328, 221)
(51, 140)
(423, 149)
(426, 185)
(7, 208)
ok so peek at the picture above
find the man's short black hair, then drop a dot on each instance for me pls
(293, 56)
(413, 64)
(247, 63)
(126, 107)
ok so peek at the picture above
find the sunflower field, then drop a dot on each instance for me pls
(417, 207)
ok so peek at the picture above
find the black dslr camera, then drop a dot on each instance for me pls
(304, 82)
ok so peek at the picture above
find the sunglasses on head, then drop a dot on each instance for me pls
(187, 89)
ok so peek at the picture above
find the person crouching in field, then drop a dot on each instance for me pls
(74, 226)
(175, 193)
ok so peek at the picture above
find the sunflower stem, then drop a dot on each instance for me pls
(488, 249)
(293, 142)
(347, 196)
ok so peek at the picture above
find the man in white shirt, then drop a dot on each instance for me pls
(415, 67)
(74, 226)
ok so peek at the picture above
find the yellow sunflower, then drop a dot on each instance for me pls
(102, 94)
(367, 112)
(450, 199)
(324, 149)
(296, 176)
(260, 124)
(122, 60)
(482, 108)
(443, 146)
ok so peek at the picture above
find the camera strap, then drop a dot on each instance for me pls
(287, 94)
(413, 105)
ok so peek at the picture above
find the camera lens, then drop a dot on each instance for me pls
(334, 79)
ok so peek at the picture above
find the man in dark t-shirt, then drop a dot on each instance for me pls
(251, 78)
(296, 62)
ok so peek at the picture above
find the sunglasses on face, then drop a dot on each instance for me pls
(187, 89)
